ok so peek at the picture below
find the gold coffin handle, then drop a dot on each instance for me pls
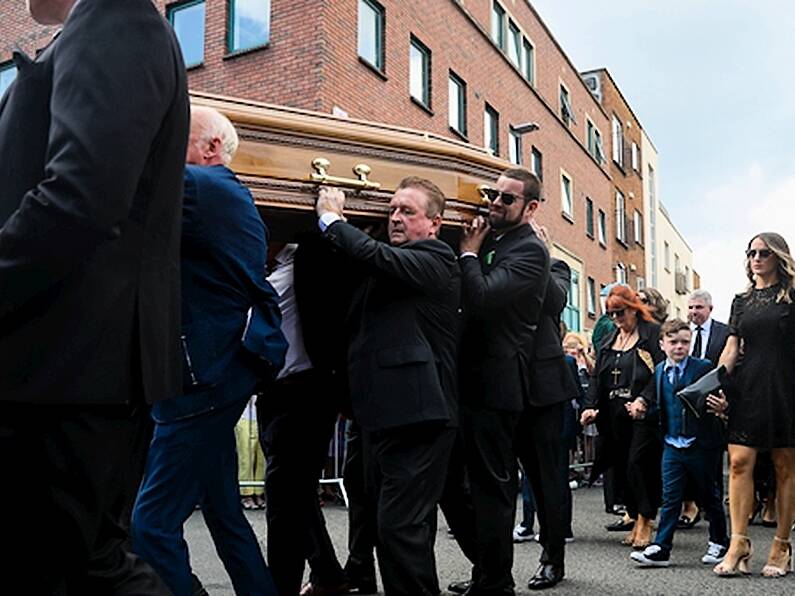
(484, 199)
(321, 166)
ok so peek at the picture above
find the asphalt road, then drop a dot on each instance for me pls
(595, 563)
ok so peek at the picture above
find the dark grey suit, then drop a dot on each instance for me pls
(503, 295)
(401, 359)
(718, 335)
(92, 137)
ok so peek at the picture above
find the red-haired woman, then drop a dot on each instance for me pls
(762, 408)
(624, 368)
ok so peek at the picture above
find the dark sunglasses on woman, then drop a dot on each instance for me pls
(764, 253)
(616, 314)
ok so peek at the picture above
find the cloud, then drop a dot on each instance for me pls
(725, 218)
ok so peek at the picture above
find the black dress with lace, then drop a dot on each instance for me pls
(762, 410)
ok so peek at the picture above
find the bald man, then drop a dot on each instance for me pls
(225, 297)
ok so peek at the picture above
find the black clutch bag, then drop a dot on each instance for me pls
(694, 396)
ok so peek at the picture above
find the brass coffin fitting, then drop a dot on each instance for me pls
(484, 199)
(321, 166)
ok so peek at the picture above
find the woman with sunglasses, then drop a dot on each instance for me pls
(624, 369)
(762, 407)
(656, 302)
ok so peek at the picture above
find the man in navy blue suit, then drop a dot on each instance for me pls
(231, 341)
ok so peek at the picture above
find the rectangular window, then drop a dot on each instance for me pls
(514, 44)
(589, 217)
(420, 72)
(498, 25)
(638, 221)
(371, 33)
(537, 163)
(528, 61)
(566, 195)
(571, 314)
(591, 297)
(667, 256)
(621, 274)
(618, 141)
(188, 22)
(514, 147)
(8, 73)
(566, 112)
(594, 138)
(491, 130)
(457, 105)
(602, 228)
(621, 218)
(640, 284)
(635, 157)
(249, 24)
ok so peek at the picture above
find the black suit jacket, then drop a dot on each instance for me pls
(718, 335)
(503, 294)
(404, 331)
(550, 378)
(92, 136)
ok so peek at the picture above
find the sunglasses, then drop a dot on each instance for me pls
(507, 198)
(616, 314)
(764, 253)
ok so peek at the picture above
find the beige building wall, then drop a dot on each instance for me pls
(674, 264)
(651, 194)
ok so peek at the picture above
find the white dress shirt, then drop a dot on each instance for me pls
(281, 279)
(706, 328)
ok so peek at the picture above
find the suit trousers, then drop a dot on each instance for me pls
(71, 473)
(193, 461)
(491, 463)
(539, 445)
(296, 425)
(405, 471)
(362, 530)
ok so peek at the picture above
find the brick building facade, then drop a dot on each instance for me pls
(513, 72)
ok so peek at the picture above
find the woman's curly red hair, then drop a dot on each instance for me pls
(622, 297)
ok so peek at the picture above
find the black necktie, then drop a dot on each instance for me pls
(697, 344)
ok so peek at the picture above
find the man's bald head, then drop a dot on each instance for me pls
(213, 139)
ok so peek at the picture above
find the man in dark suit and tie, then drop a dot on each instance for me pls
(401, 364)
(505, 270)
(709, 335)
(92, 137)
(231, 342)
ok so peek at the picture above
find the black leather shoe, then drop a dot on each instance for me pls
(360, 579)
(459, 587)
(548, 575)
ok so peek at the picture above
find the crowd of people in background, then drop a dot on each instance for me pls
(139, 318)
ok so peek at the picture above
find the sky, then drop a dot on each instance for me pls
(713, 85)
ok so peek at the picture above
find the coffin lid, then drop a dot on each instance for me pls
(278, 145)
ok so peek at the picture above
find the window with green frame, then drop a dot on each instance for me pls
(187, 18)
(371, 33)
(571, 314)
(249, 24)
(420, 72)
(8, 72)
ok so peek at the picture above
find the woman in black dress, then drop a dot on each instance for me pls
(624, 368)
(762, 409)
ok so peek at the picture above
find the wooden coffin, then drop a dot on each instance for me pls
(286, 153)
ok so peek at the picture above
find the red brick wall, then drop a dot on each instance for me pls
(311, 62)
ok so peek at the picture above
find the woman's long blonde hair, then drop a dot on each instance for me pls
(785, 265)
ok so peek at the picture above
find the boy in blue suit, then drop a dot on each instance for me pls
(692, 443)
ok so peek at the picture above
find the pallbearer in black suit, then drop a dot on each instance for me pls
(505, 269)
(401, 365)
(93, 133)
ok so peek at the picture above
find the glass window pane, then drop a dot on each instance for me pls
(250, 24)
(514, 148)
(7, 76)
(498, 25)
(528, 65)
(416, 82)
(188, 22)
(514, 44)
(370, 32)
(454, 92)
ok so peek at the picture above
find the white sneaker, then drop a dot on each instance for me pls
(653, 556)
(522, 534)
(715, 554)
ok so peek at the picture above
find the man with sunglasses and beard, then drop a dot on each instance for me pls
(505, 270)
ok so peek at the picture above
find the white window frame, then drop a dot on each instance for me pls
(514, 44)
(514, 147)
(566, 199)
(491, 129)
(601, 227)
(621, 273)
(638, 227)
(499, 16)
(529, 60)
(591, 296)
(618, 140)
(635, 157)
(456, 103)
(566, 110)
(621, 217)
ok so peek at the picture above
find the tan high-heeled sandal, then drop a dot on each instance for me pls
(723, 569)
(770, 570)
